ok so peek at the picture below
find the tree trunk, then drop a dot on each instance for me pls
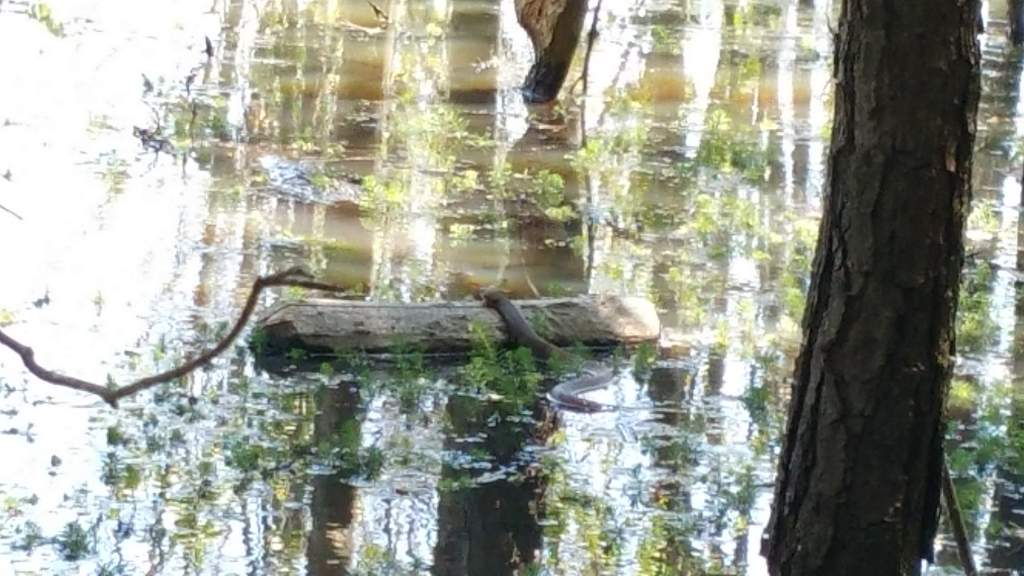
(492, 528)
(1015, 14)
(554, 28)
(332, 507)
(859, 476)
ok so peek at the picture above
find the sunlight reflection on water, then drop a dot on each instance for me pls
(699, 188)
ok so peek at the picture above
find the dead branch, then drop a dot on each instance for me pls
(956, 523)
(11, 212)
(591, 37)
(296, 277)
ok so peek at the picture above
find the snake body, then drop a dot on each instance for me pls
(565, 394)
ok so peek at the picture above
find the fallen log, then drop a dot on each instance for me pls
(446, 328)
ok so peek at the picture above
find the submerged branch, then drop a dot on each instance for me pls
(296, 277)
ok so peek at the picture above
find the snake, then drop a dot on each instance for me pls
(564, 394)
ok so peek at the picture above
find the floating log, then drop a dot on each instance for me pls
(445, 328)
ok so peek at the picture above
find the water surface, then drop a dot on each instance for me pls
(397, 159)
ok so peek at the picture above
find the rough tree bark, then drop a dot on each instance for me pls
(554, 28)
(859, 476)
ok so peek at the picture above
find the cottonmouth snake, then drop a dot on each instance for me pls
(565, 394)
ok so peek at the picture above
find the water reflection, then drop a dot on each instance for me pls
(396, 157)
(332, 505)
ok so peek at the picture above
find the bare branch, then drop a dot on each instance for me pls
(956, 523)
(291, 277)
(11, 212)
(591, 37)
(28, 359)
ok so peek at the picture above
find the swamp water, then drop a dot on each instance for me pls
(152, 184)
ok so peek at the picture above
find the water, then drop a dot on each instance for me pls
(153, 185)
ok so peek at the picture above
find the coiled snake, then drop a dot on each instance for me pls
(565, 394)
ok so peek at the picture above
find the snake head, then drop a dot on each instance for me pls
(492, 296)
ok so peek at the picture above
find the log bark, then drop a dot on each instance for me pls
(445, 328)
(860, 471)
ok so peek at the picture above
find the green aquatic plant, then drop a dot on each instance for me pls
(976, 328)
(217, 125)
(374, 560)
(245, 456)
(383, 196)
(729, 147)
(605, 153)
(297, 355)
(500, 177)
(644, 358)
(692, 299)
(511, 374)
(962, 396)
(343, 452)
(409, 382)
(30, 535)
(355, 364)
(409, 361)
(114, 173)
(326, 369)
(122, 478)
(571, 363)
(555, 289)
(74, 542)
(431, 136)
(258, 340)
(983, 218)
(666, 40)
(463, 181)
(546, 188)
